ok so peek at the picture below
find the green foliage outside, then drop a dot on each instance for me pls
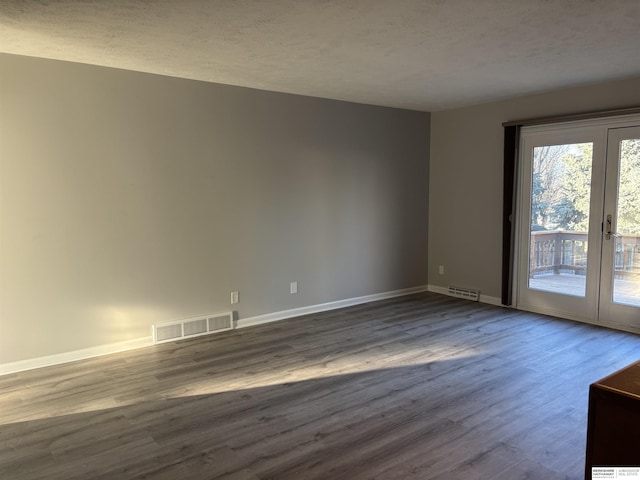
(629, 194)
(562, 186)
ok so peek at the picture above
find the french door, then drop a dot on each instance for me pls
(579, 222)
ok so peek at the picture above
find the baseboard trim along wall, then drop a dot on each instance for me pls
(66, 357)
(324, 307)
(483, 298)
(98, 351)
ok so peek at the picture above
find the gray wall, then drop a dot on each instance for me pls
(128, 199)
(465, 197)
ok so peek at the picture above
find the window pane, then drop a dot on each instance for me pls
(626, 283)
(560, 197)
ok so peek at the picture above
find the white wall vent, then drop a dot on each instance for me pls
(192, 327)
(220, 322)
(163, 333)
(467, 293)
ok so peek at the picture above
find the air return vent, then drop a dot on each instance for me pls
(467, 293)
(192, 327)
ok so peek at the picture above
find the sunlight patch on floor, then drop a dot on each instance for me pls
(378, 359)
(329, 368)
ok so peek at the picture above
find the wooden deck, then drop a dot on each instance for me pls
(626, 291)
(419, 387)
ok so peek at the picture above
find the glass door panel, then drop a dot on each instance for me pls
(620, 288)
(560, 237)
(559, 232)
(626, 274)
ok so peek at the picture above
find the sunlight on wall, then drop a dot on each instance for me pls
(128, 322)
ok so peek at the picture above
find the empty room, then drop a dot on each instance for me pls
(319, 240)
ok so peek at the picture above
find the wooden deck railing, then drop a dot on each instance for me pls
(563, 251)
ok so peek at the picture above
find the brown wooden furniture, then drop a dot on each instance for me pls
(613, 430)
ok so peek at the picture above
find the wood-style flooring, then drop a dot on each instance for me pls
(418, 387)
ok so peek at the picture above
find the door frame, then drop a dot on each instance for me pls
(601, 126)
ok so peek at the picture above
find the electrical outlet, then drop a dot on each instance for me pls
(293, 288)
(235, 297)
(441, 269)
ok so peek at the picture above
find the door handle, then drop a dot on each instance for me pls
(608, 232)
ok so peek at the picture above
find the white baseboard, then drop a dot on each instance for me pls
(66, 357)
(323, 307)
(483, 298)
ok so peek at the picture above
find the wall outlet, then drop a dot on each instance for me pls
(293, 288)
(235, 297)
(441, 269)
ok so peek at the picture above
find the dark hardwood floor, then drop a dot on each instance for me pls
(417, 387)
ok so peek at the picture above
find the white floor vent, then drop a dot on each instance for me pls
(192, 327)
(467, 293)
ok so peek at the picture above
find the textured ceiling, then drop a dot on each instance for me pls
(418, 54)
